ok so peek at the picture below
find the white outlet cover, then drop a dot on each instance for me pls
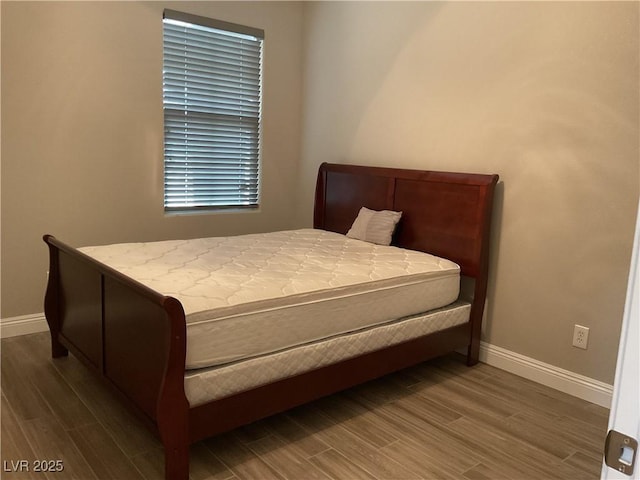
(580, 336)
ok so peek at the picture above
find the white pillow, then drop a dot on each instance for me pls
(373, 226)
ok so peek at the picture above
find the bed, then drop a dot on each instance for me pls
(191, 376)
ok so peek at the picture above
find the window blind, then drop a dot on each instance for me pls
(212, 103)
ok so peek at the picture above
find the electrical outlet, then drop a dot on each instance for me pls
(580, 336)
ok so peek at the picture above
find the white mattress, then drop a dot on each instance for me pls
(204, 385)
(251, 295)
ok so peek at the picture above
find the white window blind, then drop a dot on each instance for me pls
(211, 99)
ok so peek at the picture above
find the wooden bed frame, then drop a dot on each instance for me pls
(135, 338)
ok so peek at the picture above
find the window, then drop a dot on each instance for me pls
(211, 99)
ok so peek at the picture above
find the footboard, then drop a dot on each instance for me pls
(132, 336)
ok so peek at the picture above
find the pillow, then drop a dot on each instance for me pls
(375, 227)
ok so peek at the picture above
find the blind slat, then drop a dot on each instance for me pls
(211, 97)
(191, 48)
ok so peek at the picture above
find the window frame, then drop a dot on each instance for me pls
(230, 177)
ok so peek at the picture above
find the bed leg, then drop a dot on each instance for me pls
(473, 354)
(57, 349)
(176, 462)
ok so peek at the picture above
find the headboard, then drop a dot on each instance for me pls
(445, 214)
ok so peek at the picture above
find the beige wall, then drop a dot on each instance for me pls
(546, 94)
(82, 130)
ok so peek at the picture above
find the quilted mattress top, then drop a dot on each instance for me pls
(220, 276)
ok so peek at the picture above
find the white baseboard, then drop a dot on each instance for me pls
(23, 325)
(572, 383)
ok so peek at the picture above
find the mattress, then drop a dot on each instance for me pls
(204, 385)
(251, 295)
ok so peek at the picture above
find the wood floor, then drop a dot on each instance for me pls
(439, 420)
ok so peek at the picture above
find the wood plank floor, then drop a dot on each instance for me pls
(439, 420)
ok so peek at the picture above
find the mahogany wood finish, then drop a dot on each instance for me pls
(445, 214)
(135, 338)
